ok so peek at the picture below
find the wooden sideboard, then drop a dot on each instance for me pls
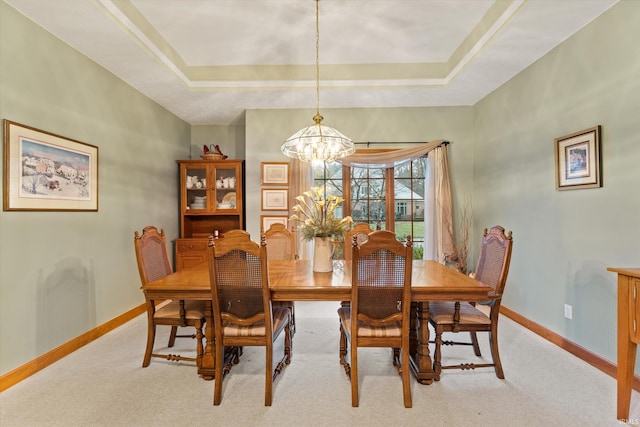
(628, 334)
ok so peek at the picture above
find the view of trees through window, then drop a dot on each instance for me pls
(386, 199)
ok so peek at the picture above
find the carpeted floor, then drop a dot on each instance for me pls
(103, 384)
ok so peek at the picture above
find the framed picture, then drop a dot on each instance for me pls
(276, 199)
(266, 221)
(275, 173)
(48, 172)
(578, 160)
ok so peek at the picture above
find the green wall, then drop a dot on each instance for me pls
(64, 273)
(229, 138)
(565, 240)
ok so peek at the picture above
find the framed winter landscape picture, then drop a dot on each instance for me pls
(48, 172)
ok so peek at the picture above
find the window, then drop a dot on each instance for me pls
(386, 199)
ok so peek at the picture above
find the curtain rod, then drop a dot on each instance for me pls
(396, 142)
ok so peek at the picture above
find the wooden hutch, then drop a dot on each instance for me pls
(211, 202)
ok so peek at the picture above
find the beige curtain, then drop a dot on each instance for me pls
(438, 208)
(390, 159)
(301, 180)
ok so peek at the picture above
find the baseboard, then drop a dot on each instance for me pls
(592, 359)
(13, 377)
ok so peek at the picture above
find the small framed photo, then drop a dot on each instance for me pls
(48, 172)
(275, 173)
(578, 160)
(276, 199)
(266, 221)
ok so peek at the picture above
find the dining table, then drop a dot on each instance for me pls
(295, 280)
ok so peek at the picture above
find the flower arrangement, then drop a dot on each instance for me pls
(317, 215)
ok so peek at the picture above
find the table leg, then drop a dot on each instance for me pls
(420, 362)
(626, 349)
(207, 367)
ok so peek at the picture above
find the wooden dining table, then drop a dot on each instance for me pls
(294, 280)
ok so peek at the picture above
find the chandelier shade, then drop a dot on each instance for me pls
(318, 142)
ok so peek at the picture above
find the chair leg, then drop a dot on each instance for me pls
(268, 381)
(474, 342)
(406, 380)
(493, 338)
(343, 346)
(288, 343)
(217, 388)
(151, 336)
(354, 376)
(293, 319)
(199, 347)
(172, 336)
(437, 354)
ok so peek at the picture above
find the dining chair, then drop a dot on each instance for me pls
(380, 304)
(152, 257)
(361, 230)
(492, 270)
(281, 245)
(242, 311)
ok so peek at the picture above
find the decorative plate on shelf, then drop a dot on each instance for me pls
(230, 198)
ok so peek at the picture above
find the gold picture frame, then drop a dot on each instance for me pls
(275, 199)
(274, 173)
(47, 172)
(577, 158)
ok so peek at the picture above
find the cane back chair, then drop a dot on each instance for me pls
(492, 270)
(242, 311)
(380, 305)
(153, 263)
(281, 244)
(361, 230)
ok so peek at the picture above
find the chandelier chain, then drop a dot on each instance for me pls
(317, 58)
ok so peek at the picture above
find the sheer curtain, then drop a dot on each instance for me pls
(438, 218)
(301, 181)
(389, 159)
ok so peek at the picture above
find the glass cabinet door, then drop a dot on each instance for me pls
(196, 184)
(224, 192)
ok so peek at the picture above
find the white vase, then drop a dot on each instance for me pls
(322, 254)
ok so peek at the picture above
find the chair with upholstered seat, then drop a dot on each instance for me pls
(492, 270)
(281, 244)
(380, 305)
(153, 263)
(242, 311)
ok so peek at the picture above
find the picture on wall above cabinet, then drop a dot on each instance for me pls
(48, 172)
(276, 199)
(577, 159)
(275, 173)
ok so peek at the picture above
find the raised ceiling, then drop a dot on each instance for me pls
(207, 61)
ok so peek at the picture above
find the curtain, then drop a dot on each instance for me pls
(439, 240)
(389, 159)
(301, 181)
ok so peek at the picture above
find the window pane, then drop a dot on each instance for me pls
(368, 201)
(403, 170)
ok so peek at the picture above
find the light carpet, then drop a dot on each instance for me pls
(103, 384)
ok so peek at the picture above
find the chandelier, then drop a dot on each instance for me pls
(318, 142)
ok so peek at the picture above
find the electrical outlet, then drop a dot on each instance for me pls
(568, 311)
